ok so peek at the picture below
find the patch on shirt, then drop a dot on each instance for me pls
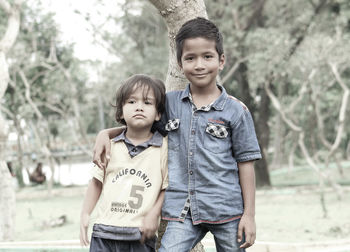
(235, 99)
(216, 121)
(172, 125)
(216, 130)
(185, 209)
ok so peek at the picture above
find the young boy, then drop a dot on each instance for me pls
(212, 147)
(131, 190)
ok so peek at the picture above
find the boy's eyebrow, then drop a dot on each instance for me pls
(205, 52)
(145, 97)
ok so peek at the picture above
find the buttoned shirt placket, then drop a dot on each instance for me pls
(191, 150)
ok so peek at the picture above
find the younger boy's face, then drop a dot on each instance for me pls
(139, 110)
(200, 62)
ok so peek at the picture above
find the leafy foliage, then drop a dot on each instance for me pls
(39, 64)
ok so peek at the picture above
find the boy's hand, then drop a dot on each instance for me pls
(102, 150)
(246, 226)
(149, 226)
(84, 224)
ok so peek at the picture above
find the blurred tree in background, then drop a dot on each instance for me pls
(47, 90)
(289, 47)
(9, 28)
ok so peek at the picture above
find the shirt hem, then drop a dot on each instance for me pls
(217, 222)
(173, 219)
(204, 221)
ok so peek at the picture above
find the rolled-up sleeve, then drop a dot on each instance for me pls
(244, 141)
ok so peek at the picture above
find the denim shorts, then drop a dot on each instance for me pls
(104, 245)
(183, 236)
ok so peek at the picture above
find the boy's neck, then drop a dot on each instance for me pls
(204, 96)
(137, 137)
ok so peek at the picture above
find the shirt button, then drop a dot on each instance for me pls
(191, 153)
(133, 150)
(191, 192)
(191, 172)
(193, 132)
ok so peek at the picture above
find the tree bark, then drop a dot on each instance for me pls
(261, 126)
(263, 132)
(175, 13)
(7, 194)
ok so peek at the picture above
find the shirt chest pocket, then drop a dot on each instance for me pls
(216, 138)
(172, 127)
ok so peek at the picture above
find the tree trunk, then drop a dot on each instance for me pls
(262, 128)
(175, 13)
(19, 168)
(279, 130)
(7, 203)
(263, 132)
(7, 194)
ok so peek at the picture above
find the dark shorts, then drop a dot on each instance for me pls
(103, 245)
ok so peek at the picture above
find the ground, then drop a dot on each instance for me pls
(291, 214)
(285, 213)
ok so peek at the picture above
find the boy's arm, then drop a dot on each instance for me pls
(102, 148)
(247, 222)
(151, 220)
(91, 197)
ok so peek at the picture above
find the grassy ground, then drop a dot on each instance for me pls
(290, 213)
(304, 175)
(35, 209)
(296, 215)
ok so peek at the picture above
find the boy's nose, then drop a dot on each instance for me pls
(199, 64)
(139, 106)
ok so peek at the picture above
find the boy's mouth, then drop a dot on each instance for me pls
(200, 75)
(139, 116)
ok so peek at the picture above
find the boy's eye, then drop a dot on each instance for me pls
(148, 102)
(189, 58)
(131, 101)
(208, 56)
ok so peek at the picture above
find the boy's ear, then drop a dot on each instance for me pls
(222, 62)
(180, 65)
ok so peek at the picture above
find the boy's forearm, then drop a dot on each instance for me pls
(157, 208)
(113, 132)
(247, 181)
(91, 197)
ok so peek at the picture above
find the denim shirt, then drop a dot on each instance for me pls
(204, 147)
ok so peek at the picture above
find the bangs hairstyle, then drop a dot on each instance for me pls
(198, 28)
(139, 81)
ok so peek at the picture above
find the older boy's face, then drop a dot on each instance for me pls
(139, 110)
(200, 62)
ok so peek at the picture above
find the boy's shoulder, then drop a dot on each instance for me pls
(165, 142)
(233, 102)
(174, 93)
(173, 98)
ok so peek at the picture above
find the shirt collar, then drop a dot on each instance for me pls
(156, 139)
(218, 104)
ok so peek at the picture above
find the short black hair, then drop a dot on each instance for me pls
(137, 81)
(198, 27)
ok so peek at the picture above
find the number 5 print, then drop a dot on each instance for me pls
(138, 196)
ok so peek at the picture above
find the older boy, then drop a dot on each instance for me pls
(212, 147)
(131, 190)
